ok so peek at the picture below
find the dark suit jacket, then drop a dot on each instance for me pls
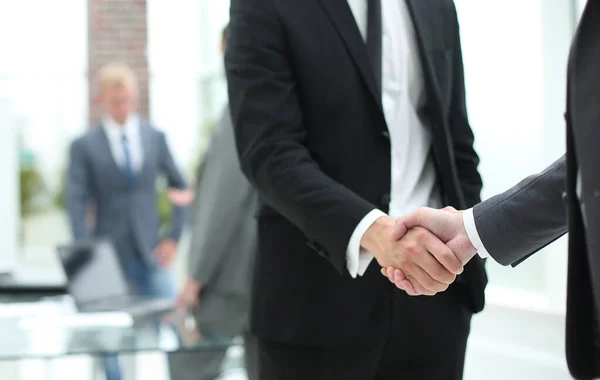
(125, 213)
(313, 140)
(223, 221)
(519, 222)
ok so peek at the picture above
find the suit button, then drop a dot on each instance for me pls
(564, 197)
(385, 134)
(385, 199)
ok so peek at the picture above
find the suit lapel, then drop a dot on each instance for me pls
(341, 15)
(147, 146)
(105, 147)
(421, 13)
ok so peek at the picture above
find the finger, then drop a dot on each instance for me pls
(402, 283)
(430, 275)
(391, 277)
(399, 229)
(444, 255)
(416, 249)
(390, 273)
(418, 286)
(449, 208)
(398, 275)
(415, 218)
(410, 288)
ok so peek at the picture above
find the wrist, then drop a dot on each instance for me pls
(463, 244)
(374, 239)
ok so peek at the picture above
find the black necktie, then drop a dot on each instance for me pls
(374, 32)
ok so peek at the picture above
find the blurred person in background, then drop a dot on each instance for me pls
(114, 167)
(221, 255)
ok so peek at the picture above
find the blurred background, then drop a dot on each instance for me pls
(515, 56)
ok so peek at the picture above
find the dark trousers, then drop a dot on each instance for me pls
(407, 338)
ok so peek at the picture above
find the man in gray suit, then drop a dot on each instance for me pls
(114, 168)
(224, 235)
(514, 225)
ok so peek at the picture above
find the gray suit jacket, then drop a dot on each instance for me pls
(125, 213)
(521, 221)
(223, 223)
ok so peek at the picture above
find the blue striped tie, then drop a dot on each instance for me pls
(129, 174)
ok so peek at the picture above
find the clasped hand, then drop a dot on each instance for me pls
(425, 250)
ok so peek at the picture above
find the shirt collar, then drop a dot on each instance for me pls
(114, 129)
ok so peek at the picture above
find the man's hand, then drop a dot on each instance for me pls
(189, 296)
(165, 252)
(180, 198)
(447, 225)
(420, 255)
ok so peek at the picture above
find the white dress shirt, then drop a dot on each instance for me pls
(413, 177)
(131, 130)
(469, 223)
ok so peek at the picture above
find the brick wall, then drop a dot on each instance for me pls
(117, 32)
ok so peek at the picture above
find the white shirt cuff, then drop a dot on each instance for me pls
(471, 228)
(358, 259)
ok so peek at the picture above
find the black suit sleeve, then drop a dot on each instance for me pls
(465, 157)
(271, 135)
(521, 221)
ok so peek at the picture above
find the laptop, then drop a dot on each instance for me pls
(96, 281)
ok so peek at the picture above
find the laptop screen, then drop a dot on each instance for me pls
(93, 271)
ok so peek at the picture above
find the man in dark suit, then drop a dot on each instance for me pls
(114, 167)
(346, 111)
(513, 225)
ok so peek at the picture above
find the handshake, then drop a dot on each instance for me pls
(423, 251)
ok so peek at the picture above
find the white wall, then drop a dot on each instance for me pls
(9, 192)
(173, 61)
(186, 86)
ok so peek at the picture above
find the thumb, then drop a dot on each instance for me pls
(399, 229)
(408, 221)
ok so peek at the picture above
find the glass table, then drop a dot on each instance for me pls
(51, 328)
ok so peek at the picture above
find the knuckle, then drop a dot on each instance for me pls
(440, 273)
(408, 266)
(411, 249)
(429, 283)
(422, 234)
